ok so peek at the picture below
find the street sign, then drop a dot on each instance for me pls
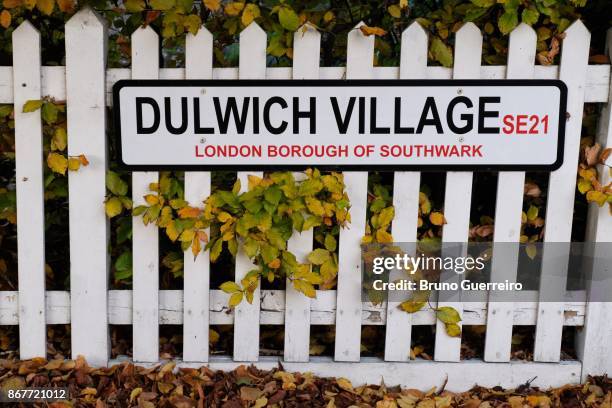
(347, 124)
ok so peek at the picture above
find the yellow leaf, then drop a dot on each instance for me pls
(5, 19)
(304, 287)
(584, 185)
(344, 384)
(135, 393)
(235, 299)
(59, 139)
(113, 207)
(531, 251)
(250, 13)
(73, 164)
(196, 247)
(403, 4)
(367, 31)
(32, 105)
(395, 11)
(598, 197)
(45, 6)
(383, 236)
(233, 9)
(437, 218)
(212, 5)
(448, 315)
(453, 329)
(171, 231)
(328, 16)
(151, 199)
(412, 306)
(57, 163)
(532, 213)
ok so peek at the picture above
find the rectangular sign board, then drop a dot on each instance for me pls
(346, 124)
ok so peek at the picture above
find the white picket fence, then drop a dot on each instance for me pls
(89, 307)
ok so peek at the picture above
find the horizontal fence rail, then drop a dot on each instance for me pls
(85, 83)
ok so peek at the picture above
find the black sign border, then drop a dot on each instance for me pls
(341, 82)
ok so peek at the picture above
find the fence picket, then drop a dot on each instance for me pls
(29, 186)
(508, 212)
(145, 238)
(86, 121)
(406, 186)
(458, 193)
(252, 62)
(359, 63)
(198, 65)
(560, 199)
(594, 340)
(306, 46)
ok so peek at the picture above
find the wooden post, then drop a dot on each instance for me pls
(252, 62)
(359, 65)
(30, 190)
(406, 187)
(145, 238)
(196, 286)
(508, 213)
(560, 199)
(89, 230)
(595, 340)
(458, 195)
(306, 46)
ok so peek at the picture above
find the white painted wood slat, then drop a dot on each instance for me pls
(406, 187)
(359, 61)
(458, 192)
(306, 49)
(252, 60)
(594, 340)
(89, 231)
(508, 212)
(560, 199)
(145, 238)
(198, 65)
(30, 200)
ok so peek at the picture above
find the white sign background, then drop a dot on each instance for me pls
(354, 149)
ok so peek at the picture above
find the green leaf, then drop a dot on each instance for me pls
(229, 287)
(113, 207)
(49, 113)
(273, 195)
(483, 3)
(32, 105)
(134, 6)
(448, 315)
(530, 16)
(288, 18)
(162, 4)
(330, 243)
(124, 261)
(441, 52)
(318, 256)
(115, 185)
(507, 21)
(5, 110)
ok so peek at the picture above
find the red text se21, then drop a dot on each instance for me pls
(525, 124)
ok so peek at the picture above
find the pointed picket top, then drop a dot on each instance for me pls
(575, 47)
(359, 53)
(413, 60)
(468, 52)
(252, 52)
(144, 35)
(522, 52)
(86, 17)
(306, 52)
(199, 54)
(26, 29)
